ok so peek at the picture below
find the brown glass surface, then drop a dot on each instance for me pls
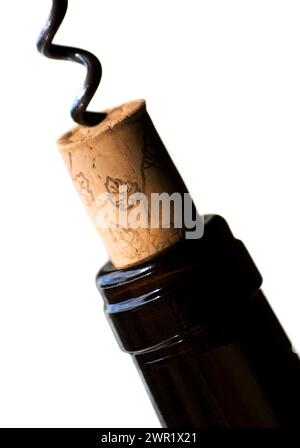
(205, 340)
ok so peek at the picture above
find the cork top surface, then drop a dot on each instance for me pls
(115, 117)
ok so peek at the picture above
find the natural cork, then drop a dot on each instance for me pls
(124, 151)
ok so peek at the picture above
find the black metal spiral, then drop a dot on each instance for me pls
(94, 69)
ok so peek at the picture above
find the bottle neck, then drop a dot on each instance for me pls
(181, 290)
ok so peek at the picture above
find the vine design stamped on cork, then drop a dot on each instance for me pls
(82, 184)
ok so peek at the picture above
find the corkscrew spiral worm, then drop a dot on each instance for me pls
(45, 46)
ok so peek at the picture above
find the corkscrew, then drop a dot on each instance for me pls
(45, 46)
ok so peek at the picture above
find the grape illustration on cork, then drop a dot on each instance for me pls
(181, 293)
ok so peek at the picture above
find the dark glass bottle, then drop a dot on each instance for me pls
(204, 338)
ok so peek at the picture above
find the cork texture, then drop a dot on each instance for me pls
(125, 151)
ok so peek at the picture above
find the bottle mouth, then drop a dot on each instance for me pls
(109, 276)
(219, 263)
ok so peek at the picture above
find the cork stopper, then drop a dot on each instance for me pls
(120, 158)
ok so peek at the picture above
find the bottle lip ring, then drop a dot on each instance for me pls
(110, 277)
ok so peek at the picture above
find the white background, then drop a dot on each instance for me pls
(222, 81)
